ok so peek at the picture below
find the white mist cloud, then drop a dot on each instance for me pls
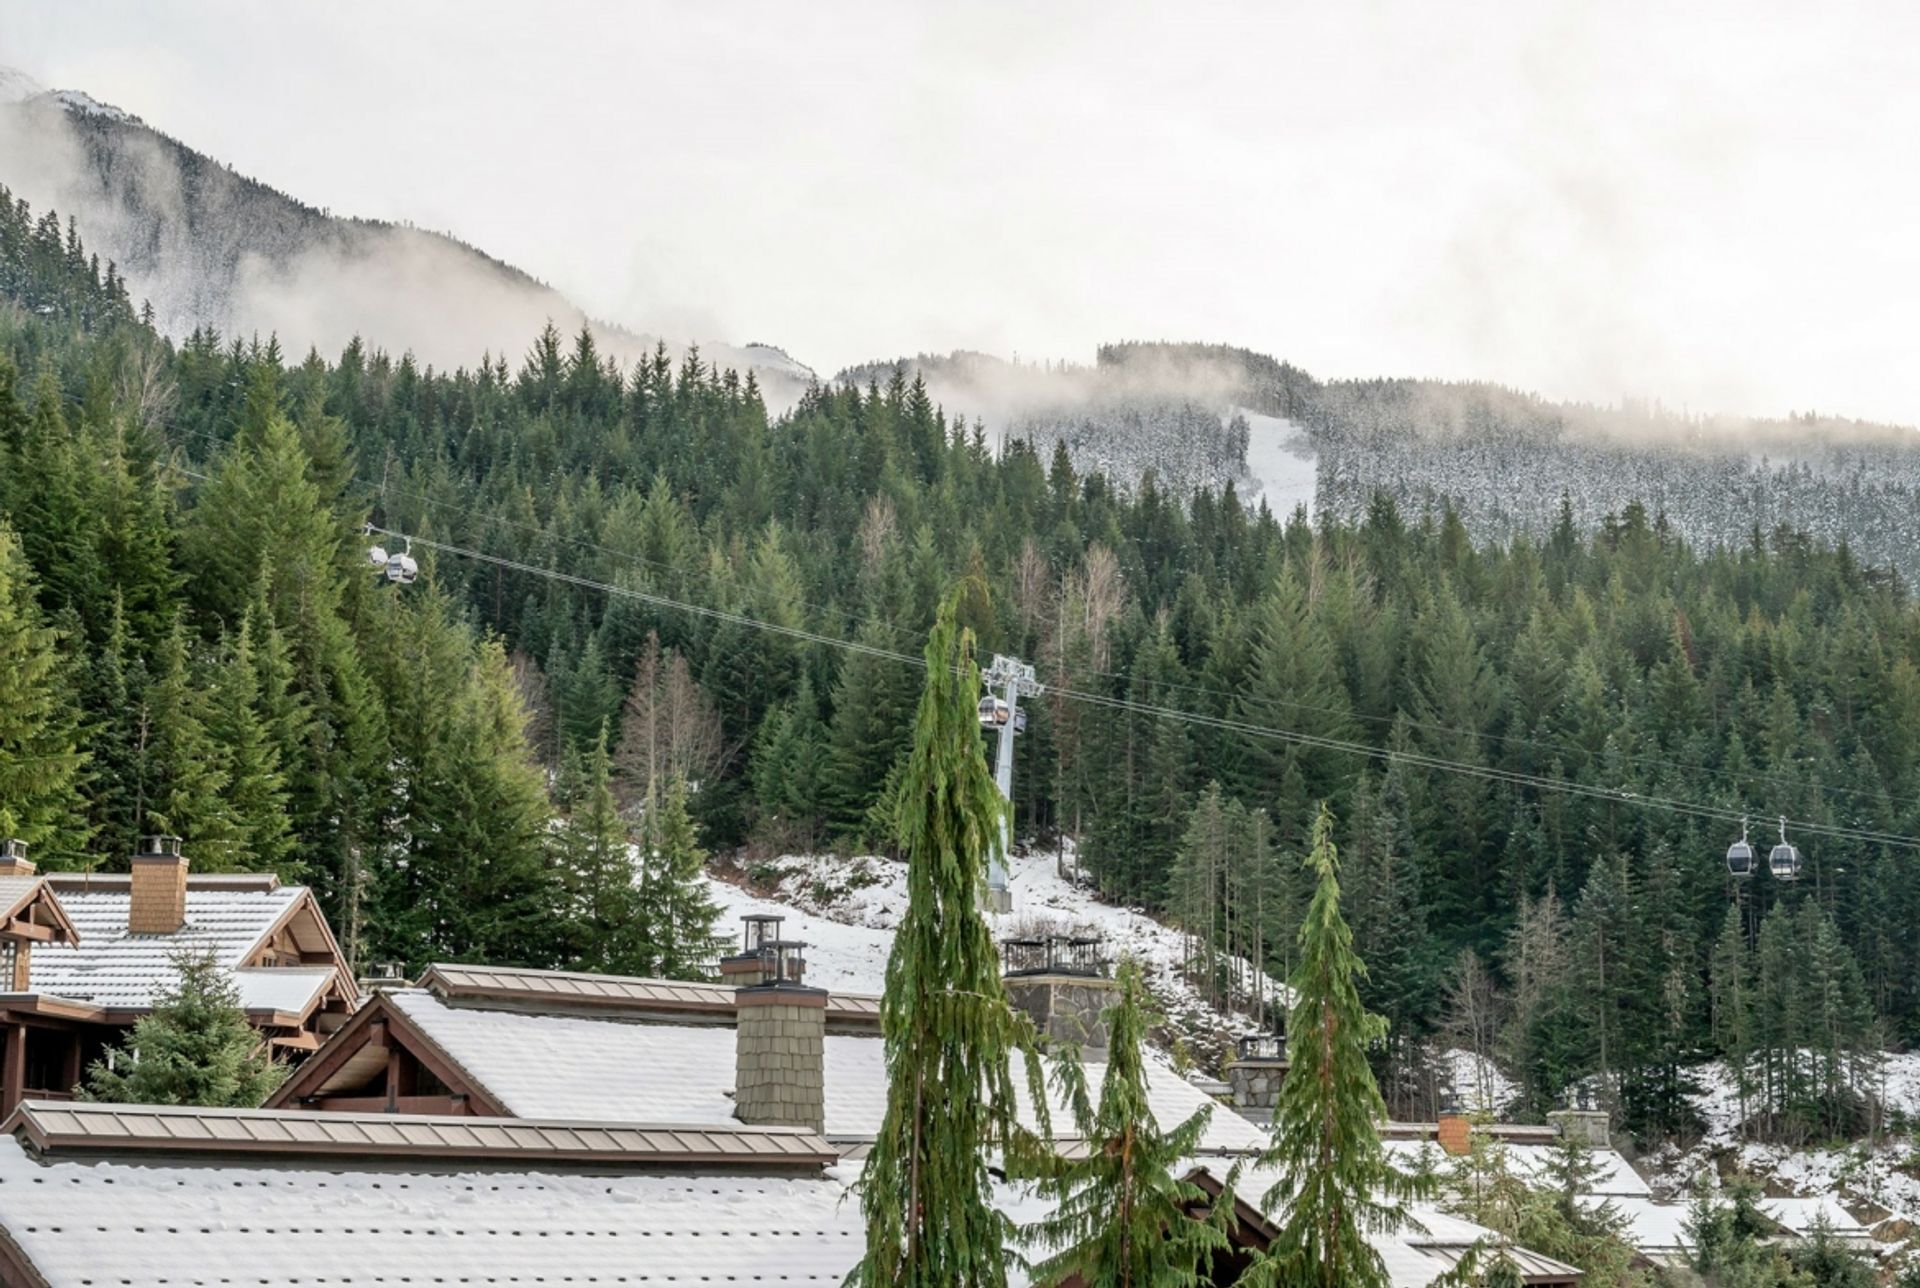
(1709, 203)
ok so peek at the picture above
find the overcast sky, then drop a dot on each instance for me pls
(1714, 205)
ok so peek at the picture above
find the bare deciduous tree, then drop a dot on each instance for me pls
(1472, 1021)
(668, 729)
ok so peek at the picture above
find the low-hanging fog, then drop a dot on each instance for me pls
(1708, 205)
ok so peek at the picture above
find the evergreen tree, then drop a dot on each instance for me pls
(1730, 995)
(1122, 1209)
(40, 764)
(1337, 1184)
(926, 1195)
(1390, 932)
(256, 791)
(183, 780)
(868, 734)
(194, 1048)
(675, 903)
(609, 931)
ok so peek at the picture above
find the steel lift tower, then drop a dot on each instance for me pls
(1007, 680)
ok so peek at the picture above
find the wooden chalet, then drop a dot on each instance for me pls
(86, 954)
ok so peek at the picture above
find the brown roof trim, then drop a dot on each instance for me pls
(1245, 1214)
(50, 1004)
(15, 1268)
(68, 1128)
(306, 901)
(42, 894)
(345, 1043)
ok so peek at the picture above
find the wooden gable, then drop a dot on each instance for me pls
(300, 937)
(37, 915)
(380, 1062)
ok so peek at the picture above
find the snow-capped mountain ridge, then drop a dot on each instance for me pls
(209, 247)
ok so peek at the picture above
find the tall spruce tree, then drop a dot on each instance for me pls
(608, 929)
(1121, 1207)
(675, 904)
(926, 1195)
(40, 764)
(1337, 1184)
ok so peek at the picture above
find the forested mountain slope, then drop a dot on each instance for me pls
(1507, 461)
(190, 639)
(209, 247)
(1503, 460)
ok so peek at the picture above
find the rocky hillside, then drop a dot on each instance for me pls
(209, 247)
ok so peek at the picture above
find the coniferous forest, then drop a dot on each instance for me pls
(192, 641)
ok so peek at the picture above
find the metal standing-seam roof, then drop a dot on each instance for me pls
(81, 1218)
(282, 990)
(121, 971)
(568, 1066)
(482, 985)
(62, 1128)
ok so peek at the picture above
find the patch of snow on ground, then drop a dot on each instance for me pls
(1478, 1082)
(1875, 1181)
(845, 910)
(1280, 462)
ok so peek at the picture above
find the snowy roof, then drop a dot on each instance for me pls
(570, 1066)
(89, 1220)
(1653, 1227)
(283, 990)
(62, 1128)
(111, 1201)
(1801, 1216)
(1429, 1245)
(1614, 1176)
(115, 969)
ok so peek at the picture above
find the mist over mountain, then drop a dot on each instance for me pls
(1505, 461)
(209, 247)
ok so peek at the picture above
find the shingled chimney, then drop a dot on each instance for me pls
(158, 905)
(780, 1045)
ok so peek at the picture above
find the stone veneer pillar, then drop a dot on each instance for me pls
(1256, 1082)
(1590, 1126)
(1067, 1009)
(780, 1056)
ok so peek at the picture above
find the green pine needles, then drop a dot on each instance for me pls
(196, 1048)
(1122, 1214)
(926, 1193)
(1337, 1184)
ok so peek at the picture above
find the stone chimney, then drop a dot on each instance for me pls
(1061, 982)
(1591, 1126)
(158, 903)
(1256, 1071)
(13, 859)
(780, 1045)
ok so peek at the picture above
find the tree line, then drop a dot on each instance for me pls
(187, 577)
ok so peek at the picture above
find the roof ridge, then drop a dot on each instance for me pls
(66, 1127)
